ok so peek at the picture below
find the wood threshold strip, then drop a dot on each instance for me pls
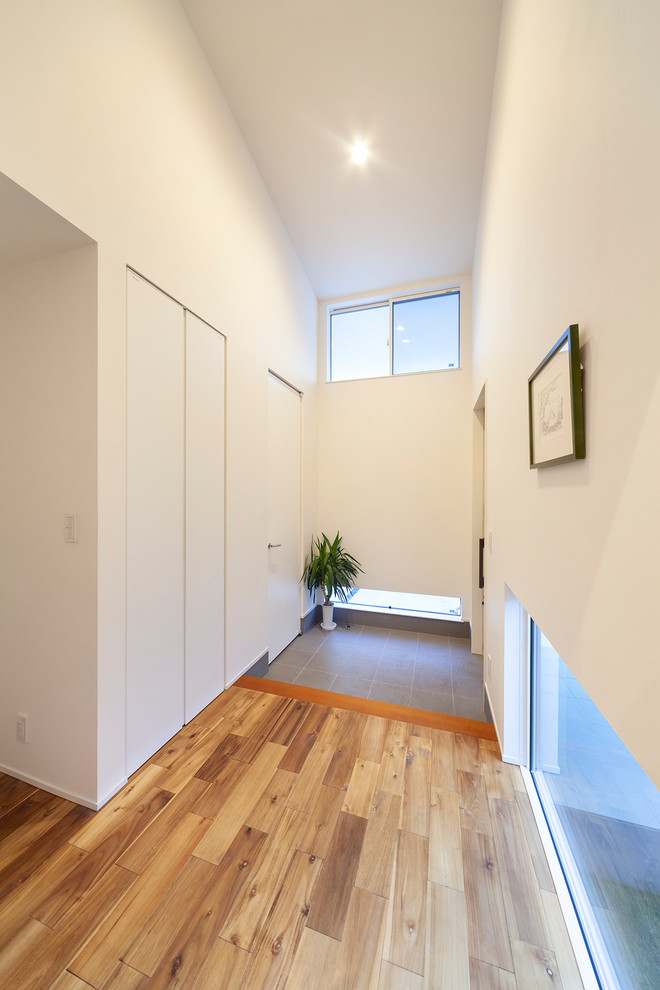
(432, 720)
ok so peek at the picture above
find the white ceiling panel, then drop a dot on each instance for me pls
(305, 78)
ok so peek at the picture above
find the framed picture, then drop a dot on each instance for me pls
(556, 423)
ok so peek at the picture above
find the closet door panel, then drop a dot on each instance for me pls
(155, 520)
(205, 514)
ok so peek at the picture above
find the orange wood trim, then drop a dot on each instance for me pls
(432, 720)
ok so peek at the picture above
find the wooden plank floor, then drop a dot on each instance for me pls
(278, 842)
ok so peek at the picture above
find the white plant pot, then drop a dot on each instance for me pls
(327, 623)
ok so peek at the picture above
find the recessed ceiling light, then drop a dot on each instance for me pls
(359, 153)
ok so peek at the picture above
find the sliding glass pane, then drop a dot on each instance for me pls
(604, 814)
(359, 343)
(426, 333)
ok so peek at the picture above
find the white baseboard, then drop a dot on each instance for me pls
(495, 725)
(245, 669)
(45, 785)
(111, 793)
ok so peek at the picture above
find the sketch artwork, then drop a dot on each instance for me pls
(554, 393)
(551, 409)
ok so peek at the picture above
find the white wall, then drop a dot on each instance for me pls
(396, 472)
(48, 457)
(110, 116)
(570, 233)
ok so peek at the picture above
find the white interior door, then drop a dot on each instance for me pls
(205, 514)
(155, 521)
(284, 484)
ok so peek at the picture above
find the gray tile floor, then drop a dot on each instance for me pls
(419, 670)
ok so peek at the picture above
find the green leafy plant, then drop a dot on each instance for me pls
(330, 567)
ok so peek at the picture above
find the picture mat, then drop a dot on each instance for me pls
(552, 407)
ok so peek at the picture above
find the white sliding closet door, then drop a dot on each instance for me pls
(205, 514)
(155, 521)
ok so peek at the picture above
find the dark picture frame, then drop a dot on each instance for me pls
(556, 418)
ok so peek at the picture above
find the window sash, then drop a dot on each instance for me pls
(390, 302)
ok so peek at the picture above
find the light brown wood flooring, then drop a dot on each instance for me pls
(278, 842)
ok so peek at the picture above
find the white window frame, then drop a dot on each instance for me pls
(515, 744)
(390, 301)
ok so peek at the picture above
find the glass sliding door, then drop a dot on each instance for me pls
(604, 815)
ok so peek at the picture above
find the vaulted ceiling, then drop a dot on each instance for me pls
(306, 78)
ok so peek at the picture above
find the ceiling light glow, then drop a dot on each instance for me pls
(359, 153)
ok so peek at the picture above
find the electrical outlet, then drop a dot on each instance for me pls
(22, 728)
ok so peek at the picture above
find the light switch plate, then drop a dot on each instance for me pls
(71, 529)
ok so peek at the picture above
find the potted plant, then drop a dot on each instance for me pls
(331, 568)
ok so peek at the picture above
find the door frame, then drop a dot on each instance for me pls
(299, 535)
(478, 610)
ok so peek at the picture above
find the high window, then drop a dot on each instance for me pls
(396, 336)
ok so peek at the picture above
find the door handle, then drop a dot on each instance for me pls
(482, 544)
(271, 546)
